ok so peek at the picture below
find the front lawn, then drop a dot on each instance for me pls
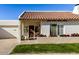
(47, 48)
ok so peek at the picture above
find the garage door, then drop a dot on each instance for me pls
(8, 32)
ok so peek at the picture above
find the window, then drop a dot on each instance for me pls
(53, 30)
(26, 29)
(60, 29)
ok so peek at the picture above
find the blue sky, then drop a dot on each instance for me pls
(12, 11)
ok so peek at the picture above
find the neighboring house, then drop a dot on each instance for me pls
(48, 23)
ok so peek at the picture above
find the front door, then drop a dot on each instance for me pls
(31, 31)
(53, 30)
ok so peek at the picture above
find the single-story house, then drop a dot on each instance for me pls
(42, 24)
(49, 24)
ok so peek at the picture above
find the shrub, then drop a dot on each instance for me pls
(65, 35)
(75, 35)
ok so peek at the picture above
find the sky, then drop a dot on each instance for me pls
(12, 11)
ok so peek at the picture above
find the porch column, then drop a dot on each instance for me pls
(22, 28)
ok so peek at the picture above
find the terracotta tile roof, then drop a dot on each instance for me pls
(49, 16)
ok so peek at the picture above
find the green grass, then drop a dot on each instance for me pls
(47, 48)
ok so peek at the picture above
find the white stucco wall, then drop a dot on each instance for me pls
(69, 29)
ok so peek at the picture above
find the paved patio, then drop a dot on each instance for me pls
(6, 45)
(52, 40)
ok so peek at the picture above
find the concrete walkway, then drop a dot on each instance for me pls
(7, 45)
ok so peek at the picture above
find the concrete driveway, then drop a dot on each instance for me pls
(7, 45)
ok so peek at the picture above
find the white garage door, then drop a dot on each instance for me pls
(8, 32)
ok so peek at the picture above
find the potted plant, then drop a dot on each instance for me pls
(22, 37)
